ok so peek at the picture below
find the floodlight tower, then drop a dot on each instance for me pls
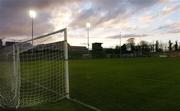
(120, 37)
(32, 15)
(88, 26)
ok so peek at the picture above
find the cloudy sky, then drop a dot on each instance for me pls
(148, 20)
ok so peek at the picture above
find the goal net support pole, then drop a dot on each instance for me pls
(67, 89)
(66, 64)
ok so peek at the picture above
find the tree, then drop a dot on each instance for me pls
(124, 48)
(131, 44)
(176, 46)
(131, 41)
(117, 50)
(144, 43)
(145, 50)
(170, 45)
(157, 46)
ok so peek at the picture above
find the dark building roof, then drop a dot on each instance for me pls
(97, 43)
(96, 46)
(60, 46)
(8, 43)
(1, 43)
(50, 46)
(78, 48)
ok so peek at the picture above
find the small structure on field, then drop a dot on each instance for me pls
(97, 50)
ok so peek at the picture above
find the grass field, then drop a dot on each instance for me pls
(143, 84)
(136, 84)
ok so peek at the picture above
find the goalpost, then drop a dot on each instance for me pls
(36, 74)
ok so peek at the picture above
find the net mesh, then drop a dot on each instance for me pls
(42, 71)
(38, 71)
(8, 77)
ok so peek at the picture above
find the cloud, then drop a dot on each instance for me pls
(127, 36)
(170, 28)
(168, 10)
(54, 14)
(146, 18)
(14, 19)
(134, 35)
(102, 11)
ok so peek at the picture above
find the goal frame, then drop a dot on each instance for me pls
(16, 65)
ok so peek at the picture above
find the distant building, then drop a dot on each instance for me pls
(50, 46)
(9, 43)
(77, 52)
(78, 48)
(25, 47)
(1, 43)
(97, 50)
(110, 52)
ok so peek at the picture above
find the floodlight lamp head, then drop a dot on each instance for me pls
(88, 25)
(32, 14)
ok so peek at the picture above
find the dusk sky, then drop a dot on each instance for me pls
(148, 20)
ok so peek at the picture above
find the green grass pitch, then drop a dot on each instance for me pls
(136, 84)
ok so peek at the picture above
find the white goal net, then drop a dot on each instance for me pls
(35, 74)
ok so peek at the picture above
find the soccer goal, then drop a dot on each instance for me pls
(35, 74)
(36, 71)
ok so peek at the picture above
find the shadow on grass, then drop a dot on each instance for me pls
(64, 105)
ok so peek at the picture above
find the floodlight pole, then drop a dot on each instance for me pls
(88, 38)
(88, 25)
(120, 46)
(32, 29)
(32, 15)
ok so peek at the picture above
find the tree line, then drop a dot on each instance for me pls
(143, 48)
